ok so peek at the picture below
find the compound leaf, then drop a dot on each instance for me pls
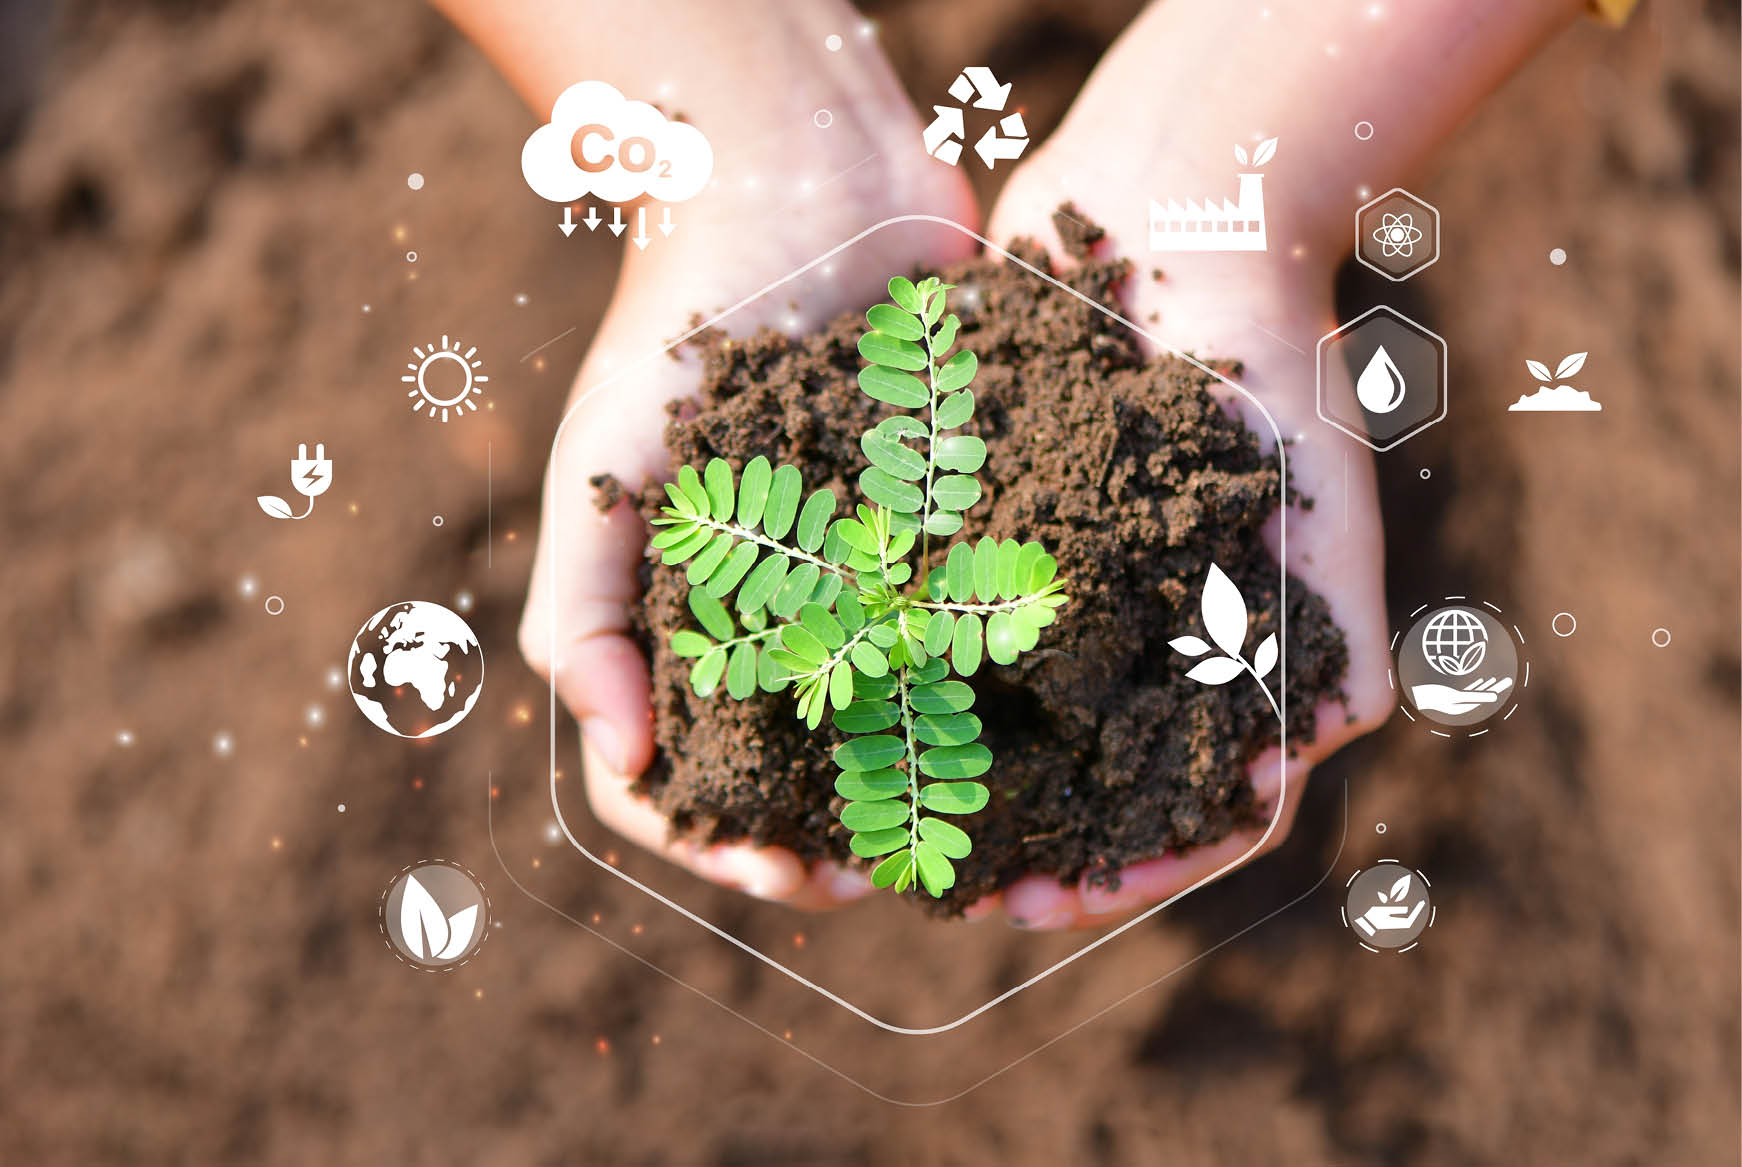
(782, 506)
(935, 871)
(961, 453)
(955, 409)
(895, 321)
(940, 697)
(885, 489)
(895, 871)
(955, 762)
(871, 753)
(687, 643)
(965, 644)
(957, 371)
(711, 614)
(864, 716)
(893, 386)
(946, 837)
(741, 671)
(721, 489)
(753, 489)
(813, 520)
(705, 676)
(730, 572)
(947, 729)
(954, 797)
(955, 492)
(891, 351)
(761, 584)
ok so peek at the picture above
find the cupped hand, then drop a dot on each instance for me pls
(745, 232)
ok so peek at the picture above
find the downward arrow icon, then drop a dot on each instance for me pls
(666, 226)
(567, 226)
(617, 224)
(640, 237)
(592, 220)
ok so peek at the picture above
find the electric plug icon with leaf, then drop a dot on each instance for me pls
(310, 477)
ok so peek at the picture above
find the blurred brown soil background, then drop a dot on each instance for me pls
(197, 200)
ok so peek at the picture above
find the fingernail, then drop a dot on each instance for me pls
(603, 738)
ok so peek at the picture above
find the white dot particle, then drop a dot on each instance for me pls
(124, 738)
(521, 299)
(315, 716)
(1557, 257)
(247, 586)
(341, 808)
(414, 180)
(223, 744)
(463, 601)
(832, 42)
(335, 677)
(367, 308)
(553, 834)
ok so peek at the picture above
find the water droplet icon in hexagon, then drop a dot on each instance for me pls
(1380, 386)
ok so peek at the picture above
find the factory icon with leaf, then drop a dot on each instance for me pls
(1234, 225)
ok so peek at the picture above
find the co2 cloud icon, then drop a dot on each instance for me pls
(599, 144)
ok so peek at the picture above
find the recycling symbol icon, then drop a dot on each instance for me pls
(948, 131)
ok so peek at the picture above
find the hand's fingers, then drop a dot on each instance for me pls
(771, 873)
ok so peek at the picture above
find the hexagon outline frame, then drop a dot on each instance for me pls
(551, 500)
(1359, 237)
(1319, 380)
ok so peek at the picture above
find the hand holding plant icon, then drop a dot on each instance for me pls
(1390, 914)
(1225, 620)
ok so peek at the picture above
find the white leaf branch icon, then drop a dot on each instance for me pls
(1226, 621)
(420, 917)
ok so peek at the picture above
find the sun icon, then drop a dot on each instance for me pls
(438, 398)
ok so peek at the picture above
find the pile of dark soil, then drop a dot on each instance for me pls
(1135, 479)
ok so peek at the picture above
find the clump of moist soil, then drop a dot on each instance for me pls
(1131, 475)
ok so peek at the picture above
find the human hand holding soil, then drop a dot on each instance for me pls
(1212, 305)
(734, 239)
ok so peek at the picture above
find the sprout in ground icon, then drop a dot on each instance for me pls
(1551, 397)
(1226, 621)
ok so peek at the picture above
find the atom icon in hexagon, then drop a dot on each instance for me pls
(1397, 234)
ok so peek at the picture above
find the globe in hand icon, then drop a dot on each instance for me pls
(1455, 642)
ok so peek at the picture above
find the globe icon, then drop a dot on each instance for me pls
(415, 669)
(1454, 642)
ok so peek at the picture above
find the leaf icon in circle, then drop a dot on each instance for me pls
(460, 926)
(1400, 888)
(428, 933)
(1224, 612)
